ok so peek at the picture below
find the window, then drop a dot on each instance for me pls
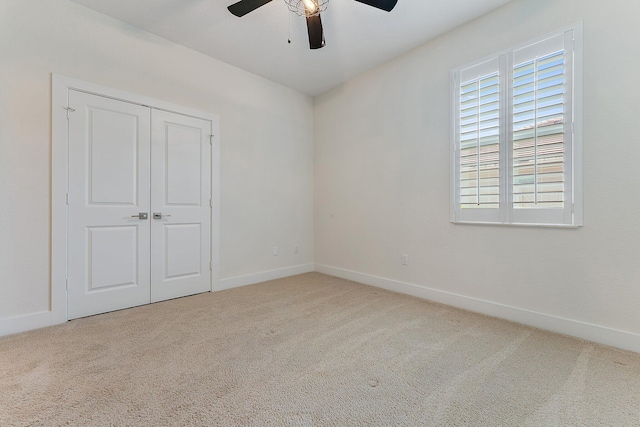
(516, 149)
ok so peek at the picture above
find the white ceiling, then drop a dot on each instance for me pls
(358, 37)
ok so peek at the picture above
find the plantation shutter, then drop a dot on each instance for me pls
(478, 142)
(538, 133)
(540, 119)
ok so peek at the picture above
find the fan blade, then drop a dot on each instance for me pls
(314, 28)
(387, 5)
(245, 6)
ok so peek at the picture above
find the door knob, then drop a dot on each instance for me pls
(141, 215)
(159, 215)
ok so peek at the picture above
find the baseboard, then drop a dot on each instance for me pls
(588, 331)
(235, 282)
(27, 322)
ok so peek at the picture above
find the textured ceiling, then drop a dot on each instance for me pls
(358, 37)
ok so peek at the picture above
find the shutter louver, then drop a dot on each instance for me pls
(538, 133)
(479, 142)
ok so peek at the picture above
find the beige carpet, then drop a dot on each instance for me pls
(310, 350)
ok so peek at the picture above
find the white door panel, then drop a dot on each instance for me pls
(183, 170)
(113, 147)
(184, 250)
(112, 253)
(181, 191)
(109, 253)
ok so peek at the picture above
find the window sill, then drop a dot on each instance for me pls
(513, 224)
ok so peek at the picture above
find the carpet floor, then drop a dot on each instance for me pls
(310, 350)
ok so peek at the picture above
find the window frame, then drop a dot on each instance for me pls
(571, 216)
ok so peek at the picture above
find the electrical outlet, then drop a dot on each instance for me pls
(295, 249)
(405, 259)
(275, 251)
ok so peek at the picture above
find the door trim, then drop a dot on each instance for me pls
(61, 85)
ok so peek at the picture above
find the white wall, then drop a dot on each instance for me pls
(266, 140)
(382, 182)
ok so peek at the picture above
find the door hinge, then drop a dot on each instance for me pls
(69, 110)
(67, 199)
(211, 139)
(210, 266)
(210, 203)
(66, 283)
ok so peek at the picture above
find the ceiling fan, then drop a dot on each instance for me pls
(310, 9)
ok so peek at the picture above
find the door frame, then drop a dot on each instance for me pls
(61, 85)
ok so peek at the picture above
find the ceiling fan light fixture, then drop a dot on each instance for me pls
(310, 9)
(307, 8)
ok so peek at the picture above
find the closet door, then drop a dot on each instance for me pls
(109, 205)
(180, 205)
